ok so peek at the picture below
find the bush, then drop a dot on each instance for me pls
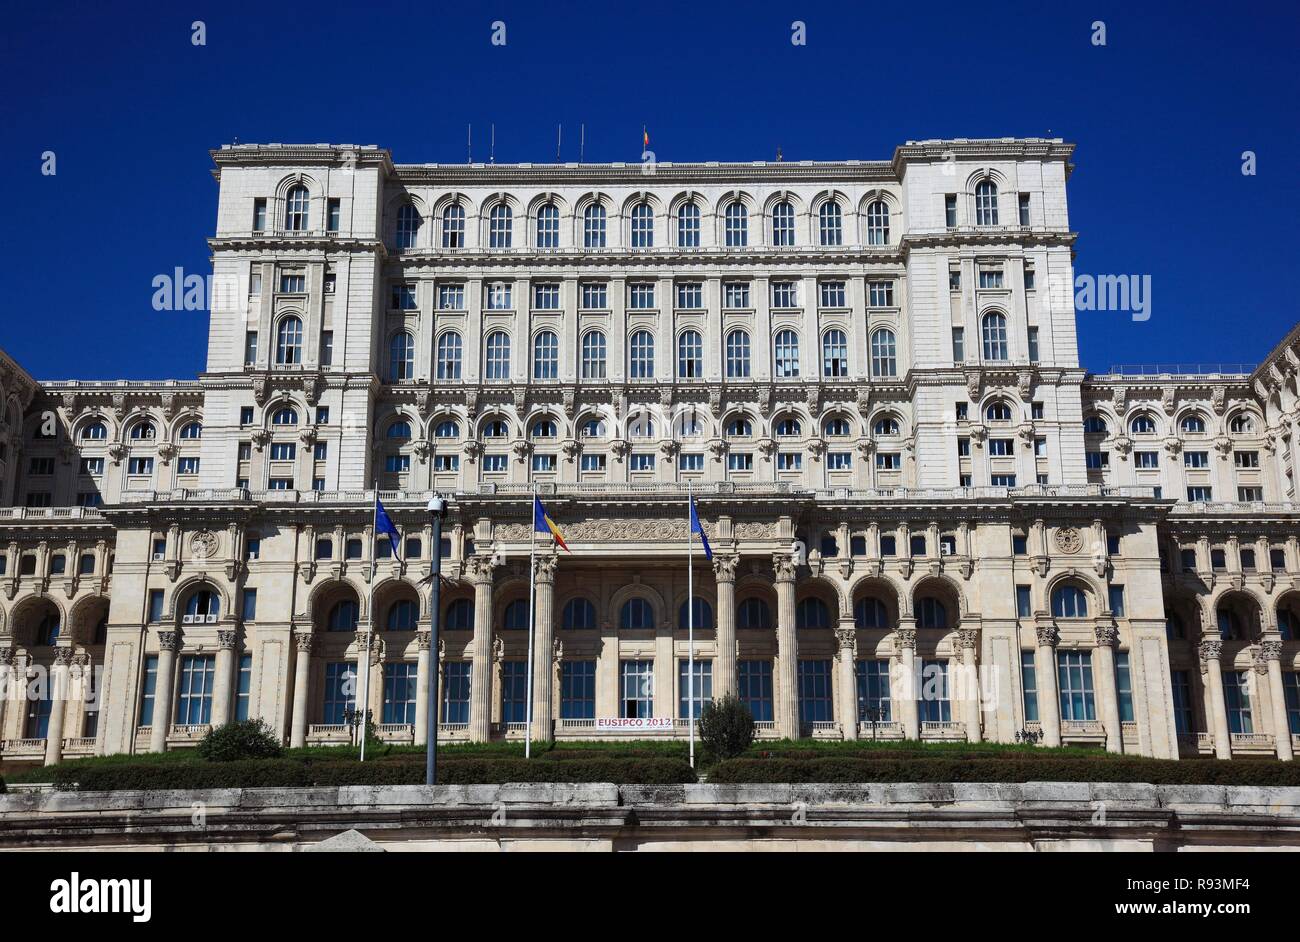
(243, 739)
(726, 727)
(2, 786)
(1010, 768)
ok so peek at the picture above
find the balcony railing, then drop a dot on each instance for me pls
(943, 730)
(1235, 507)
(881, 730)
(189, 731)
(1252, 741)
(1181, 369)
(50, 513)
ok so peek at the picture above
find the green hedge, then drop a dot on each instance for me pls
(1006, 769)
(397, 771)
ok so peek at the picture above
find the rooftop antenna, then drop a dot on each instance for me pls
(469, 143)
(779, 158)
(582, 141)
(492, 148)
(559, 137)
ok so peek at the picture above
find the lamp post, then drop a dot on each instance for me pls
(437, 511)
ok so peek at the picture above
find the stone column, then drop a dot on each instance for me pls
(544, 650)
(724, 668)
(58, 706)
(1216, 710)
(164, 686)
(8, 684)
(1271, 654)
(846, 657)
(1103, 673)
(423, 684)
(225, 670)
(1049, 701)
(301, 684)
(968, 640)
(364, 694)
(905, 693)
(480, 690)
(787, 650)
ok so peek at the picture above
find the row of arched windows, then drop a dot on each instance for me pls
(1144, 423)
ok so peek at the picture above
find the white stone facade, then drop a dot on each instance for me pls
(865, 371)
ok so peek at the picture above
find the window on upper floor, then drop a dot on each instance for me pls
(643, 226)
(884, 355)
(783, 224)
(830, 219)
(995, 336)
(296, 203)
(1193, 424)
(786, 350)
(593, 354)
(641, 355)
(877, 223)
(737, 225)
(738, 354)
(497, 362)
(401, 358)
(548, 226)
(449, 355)
(986, 203)
(453, 226)
(408, 226)
(835, 354)
(288, 341)
(688, 225)
(690, 355)
(594, 226)
(501, 222)
(546, 355)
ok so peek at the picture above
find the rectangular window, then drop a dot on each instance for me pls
(839, 461)
(1001, 447)
(250, 348)
(641, 296)
(690, 295)
(1182, 703)
(1023, 203)
(888, 544)
(255, 284)
(789, 461)
(397, 464)
(959, 344)
(148, 689)
(1002, 480)
(815, 692)
(188, 465)
(578, 690)
(593, 462)
(514, 691)
(642, 461)
(246, 415)
(950, 210)
(259, 221)
(1236, 699)
(1040, 448)
(1245, 459)
(594, 296)
(494, 463)
(1033, 345)
(1096, 460)
(1124, 687)
(963, 448)
(636, 689)
(888, 461)
(444, 464)
(882, 293)
(140, 466)
(703, 691)
(243, 686)
(754, 688)
(735, 295)
(546, 296)
(690, 461)
(450, 298)
(1248, 494)
(1116, 595)
(1196, 459)
(293, 283)
(249, 606)
(954, 279)
(330, 281)
(498, 296)
(962, 411)
(194, 692)
(1029, 673)
(1199, 494)
(333, 214)
(1291, 690)
(544, 464)
(455, 692)
(833, 294)
(399, 692)
(1029, 279)
(1023, 605)
(740, 461)
(785, 294)
(1147, 459)
(1074, 672)
(340, 697)
(990, 277)
(92, 467)
(873, 691)
(935, 698)
(283, 451)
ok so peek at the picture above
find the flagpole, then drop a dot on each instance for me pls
(690, 620)
(532, 614)
(370, 613)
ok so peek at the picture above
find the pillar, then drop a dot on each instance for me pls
(906, 692)
(1049, 700)
(301, 683)
(58, 706)
(164, 688)
(1271, 653)
(544, 650)
(480, 684)
(423, 684)
(225, 679)
(8, 684)
(968, 640)
(846, 657)
(1216, 710)
(724, 668)
(1107, 691)
(787, 652)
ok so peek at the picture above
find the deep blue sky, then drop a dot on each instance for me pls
(1160, 115)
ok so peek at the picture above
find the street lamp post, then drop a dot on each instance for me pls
(437, 510)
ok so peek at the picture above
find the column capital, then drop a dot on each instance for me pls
(847, 636)
(169, 640)
(724, 568)
(7, 655)
(62, 657)
(480, 569)
(226, 639)
(1047, 636)
(424, 640)
(968, 639)
(905, 638)
(784, 568)
(1107, 636)
(1270, 650)
(304, 641)
(545, 569)
(1211, 649)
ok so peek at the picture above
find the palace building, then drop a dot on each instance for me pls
(927, 520)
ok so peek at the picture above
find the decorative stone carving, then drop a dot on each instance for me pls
(546, 566)
(203, 545)
(848, 641)
(1069, 540)
(905, 638)
(422, 450)
(260, 438)
(1047, 635)
(169, 640)
(424, 640)
(303, 641)
(968, 639)
(1211, 649)
(724, 568)
(471, 450)
(1270, 650)
(1122, 445)
(783, 567)
(117, 451)
(1107, 636)
(226, 638)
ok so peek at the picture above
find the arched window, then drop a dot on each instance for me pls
(1242, 423)
(593, 354)
(737, 223)
(295, 209)
(738, 354)
(702, 613)
(643, 226)
(753, 613)
(641, 355)
(47, 630)
(453, 226)
(202, 606)
(447, 429)
(546, 355)
(288, 341)
(285, 416)
(1094, 425)
(496, 428)
(95, 431)
(144, 430)
(930, 613)
(191, 431)
(515, 616)
(831, 223)
(986, 203)
(403, 615)
(548, 226)
(500, 227)
(995, 336)
(690, 355)
(1194, 425)
(884, 355)
(398, 430)
(401, 358)
(885, 425)
(408, 226)
(877, 223)
(688, 226)
(1143, 425)
(578, 614)
(811, 612)
(837, 427)
(740, 427)
(594, 428)
(786, 350)
(835, 353)
(1069, 601)
(497, 365)
(789, 427)
(998, 411)
(593, 226)
(460, 616)
(544, 428)
(636, 613)
(870, 612)
(783, 224)
(449, 354)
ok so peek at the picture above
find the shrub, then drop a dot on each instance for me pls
(2, 786)
(726, 727)
(243, 739)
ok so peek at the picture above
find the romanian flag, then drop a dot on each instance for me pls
(542, 523)
(645, 137)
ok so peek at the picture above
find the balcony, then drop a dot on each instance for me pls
(881, 730)
(943, 731)
(1087, 732)
(79, 746)
(23, 749)
(401, 733)
(1253, 743)
(187, 734)
(821, 730)
(321, 734)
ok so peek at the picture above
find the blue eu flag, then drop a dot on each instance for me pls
(696, 528)
(384, 524)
